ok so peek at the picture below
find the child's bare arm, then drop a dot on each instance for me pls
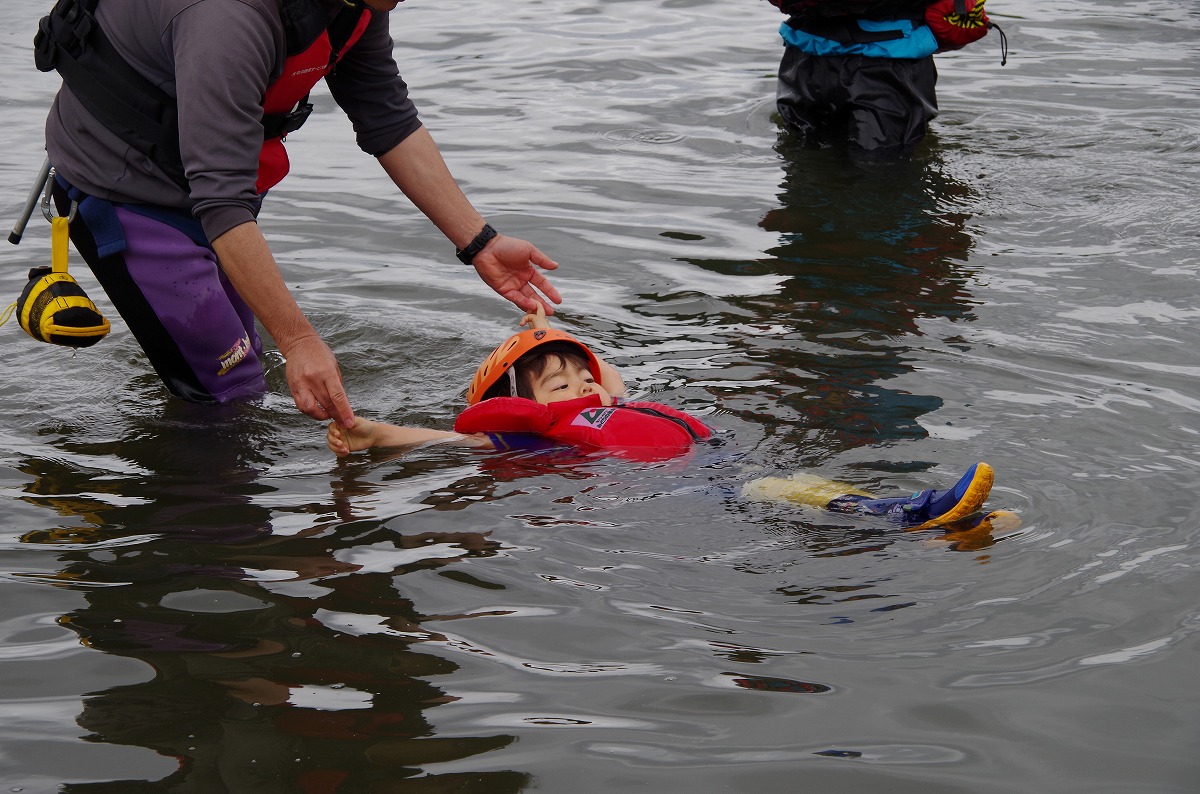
(367, 434)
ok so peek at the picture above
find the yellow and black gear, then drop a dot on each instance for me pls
(53, 307)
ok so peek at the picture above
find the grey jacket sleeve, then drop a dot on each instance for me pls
(225, 54)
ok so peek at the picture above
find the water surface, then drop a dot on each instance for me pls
(204, 600)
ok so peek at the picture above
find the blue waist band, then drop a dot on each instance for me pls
(915, 41)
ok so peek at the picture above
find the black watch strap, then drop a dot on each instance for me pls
(467, 255)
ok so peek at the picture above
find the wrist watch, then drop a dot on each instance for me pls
(467, 255)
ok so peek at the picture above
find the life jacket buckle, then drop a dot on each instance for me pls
(290, 122)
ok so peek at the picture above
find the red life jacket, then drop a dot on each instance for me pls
(309, 60)
(638, 430)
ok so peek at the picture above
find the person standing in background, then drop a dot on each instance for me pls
(862, 71)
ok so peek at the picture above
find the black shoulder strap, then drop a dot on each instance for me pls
(304, 21)
(71, 42)
(342, 27)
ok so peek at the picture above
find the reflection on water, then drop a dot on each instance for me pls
(868, 248)
(252, 690)
(285, 651)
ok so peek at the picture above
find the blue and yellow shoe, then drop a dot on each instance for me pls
(928, 508)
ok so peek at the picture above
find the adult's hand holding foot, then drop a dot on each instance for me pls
(315, 380)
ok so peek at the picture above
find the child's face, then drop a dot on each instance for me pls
(565, 380)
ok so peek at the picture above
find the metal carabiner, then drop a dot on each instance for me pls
(48, 208)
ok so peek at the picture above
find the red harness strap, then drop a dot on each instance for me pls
(301, 72)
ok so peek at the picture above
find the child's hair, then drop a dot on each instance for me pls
(529, 368)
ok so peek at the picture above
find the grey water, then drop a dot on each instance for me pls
(202, 600)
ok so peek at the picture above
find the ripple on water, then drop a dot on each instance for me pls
(1020, 291)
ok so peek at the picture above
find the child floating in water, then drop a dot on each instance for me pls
(543, 385)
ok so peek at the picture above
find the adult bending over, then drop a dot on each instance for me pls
(168, 132)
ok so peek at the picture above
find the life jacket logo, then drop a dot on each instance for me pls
(594, 417)
(234, 355)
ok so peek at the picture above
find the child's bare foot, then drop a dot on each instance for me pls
(336, 441)
(344, 440)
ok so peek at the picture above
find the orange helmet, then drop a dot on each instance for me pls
(510, 350)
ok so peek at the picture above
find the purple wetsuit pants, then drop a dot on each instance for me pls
(165, 281)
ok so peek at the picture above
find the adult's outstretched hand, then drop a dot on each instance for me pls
(510, 266)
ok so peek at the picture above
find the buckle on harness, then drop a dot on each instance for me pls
(281, 124)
